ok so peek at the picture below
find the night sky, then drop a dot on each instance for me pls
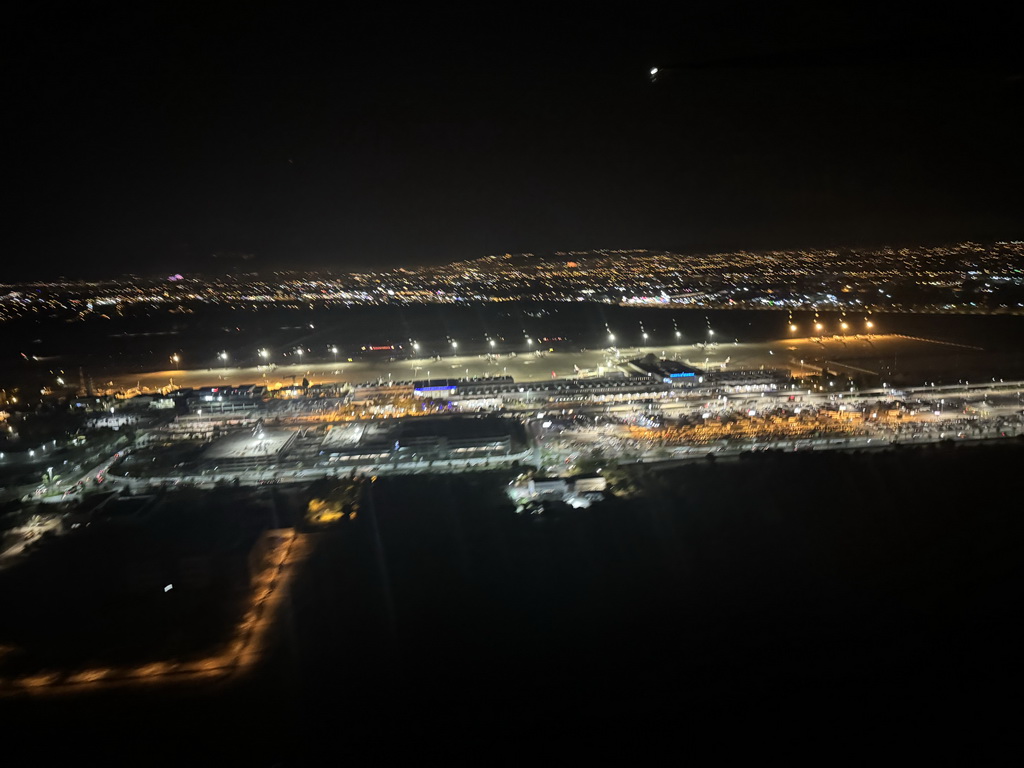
(147, 141)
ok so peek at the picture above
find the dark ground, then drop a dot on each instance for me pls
(829, 608)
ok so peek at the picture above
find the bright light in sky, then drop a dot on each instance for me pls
(654, 71)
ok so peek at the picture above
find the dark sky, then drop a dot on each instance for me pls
(148, 140)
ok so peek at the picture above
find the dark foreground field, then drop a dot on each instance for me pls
(835, 607)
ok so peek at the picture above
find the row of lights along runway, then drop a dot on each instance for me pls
(265, 354)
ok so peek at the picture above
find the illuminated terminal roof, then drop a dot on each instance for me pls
(434, 386)
(343, 436)
(422, 438)
(248, 448)
(667, 370)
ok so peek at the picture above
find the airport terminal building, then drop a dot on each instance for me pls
(246, 450)
(420, 439)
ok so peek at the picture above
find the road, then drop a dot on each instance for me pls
(248, 642)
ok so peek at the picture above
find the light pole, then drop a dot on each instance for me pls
(224, 357)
